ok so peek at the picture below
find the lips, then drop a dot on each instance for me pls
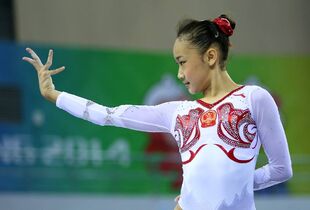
(186, 83)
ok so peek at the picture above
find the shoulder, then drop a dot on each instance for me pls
(258, 98)
(183, 107)
(261, 101)
(248, 94)
(173, 103)
(175, 106)
(253, 88)
(256, 93)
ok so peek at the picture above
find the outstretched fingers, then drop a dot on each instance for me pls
(56, 71)
(34, 56)
(29, 60)
(49, 61)
(43, 70)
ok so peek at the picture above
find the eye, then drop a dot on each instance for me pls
(182, 62)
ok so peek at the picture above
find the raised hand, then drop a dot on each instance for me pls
(47, 88)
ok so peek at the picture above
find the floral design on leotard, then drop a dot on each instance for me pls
(236, 127)
(86, 112)
(185, 125)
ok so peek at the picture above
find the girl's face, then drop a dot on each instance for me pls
(193, 70)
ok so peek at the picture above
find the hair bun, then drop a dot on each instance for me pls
(225, 24)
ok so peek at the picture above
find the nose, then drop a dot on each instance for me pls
(180, 74)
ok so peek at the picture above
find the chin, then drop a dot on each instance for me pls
(192, 91)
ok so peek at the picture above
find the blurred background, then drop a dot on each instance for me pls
(120, 52)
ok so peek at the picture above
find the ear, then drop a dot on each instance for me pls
(211, 56)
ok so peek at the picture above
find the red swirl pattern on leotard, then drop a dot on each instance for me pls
(193, 155)
(185, 125)
(239, 126)
(232, 156)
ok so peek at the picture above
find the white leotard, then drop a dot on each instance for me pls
(218, 142)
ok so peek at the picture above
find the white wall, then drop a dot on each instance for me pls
(277, 26)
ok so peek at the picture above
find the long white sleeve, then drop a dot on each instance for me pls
(273, 139)
(142, 118)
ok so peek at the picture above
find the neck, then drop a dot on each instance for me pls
(220, 84)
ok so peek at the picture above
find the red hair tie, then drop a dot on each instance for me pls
(224, 25)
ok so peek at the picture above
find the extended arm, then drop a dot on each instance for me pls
(273, 139)
(143, 118)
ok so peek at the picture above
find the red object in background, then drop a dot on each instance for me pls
(166, 146)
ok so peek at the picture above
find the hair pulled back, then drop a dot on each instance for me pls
(203, 33)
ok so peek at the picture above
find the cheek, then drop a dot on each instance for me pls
(192, 71)
(193, 68)
(189, 71)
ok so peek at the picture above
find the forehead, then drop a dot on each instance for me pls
(182, 48)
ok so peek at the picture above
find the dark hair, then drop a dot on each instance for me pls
(203, 33)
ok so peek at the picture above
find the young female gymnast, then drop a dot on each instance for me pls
(219, 135)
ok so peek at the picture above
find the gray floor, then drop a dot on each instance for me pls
(102, 202)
